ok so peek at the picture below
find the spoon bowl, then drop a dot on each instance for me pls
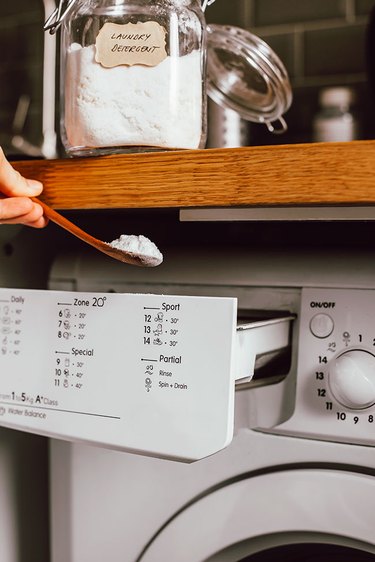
(129, 257)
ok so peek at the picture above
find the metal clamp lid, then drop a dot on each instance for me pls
(244, 74)
(57, 17)
(206, 3)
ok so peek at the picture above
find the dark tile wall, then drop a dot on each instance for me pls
(332, 52)
(363, 6)
(321, 42)
(275, 12)
(21, 68)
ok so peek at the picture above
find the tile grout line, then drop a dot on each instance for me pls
(350, 11)
(299, 52)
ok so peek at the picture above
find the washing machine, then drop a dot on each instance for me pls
(297, 479)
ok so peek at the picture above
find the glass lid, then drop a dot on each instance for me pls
(244, 74)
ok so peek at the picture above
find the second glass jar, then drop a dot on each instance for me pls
(133, 76)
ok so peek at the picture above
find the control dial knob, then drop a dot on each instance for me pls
(352, 379)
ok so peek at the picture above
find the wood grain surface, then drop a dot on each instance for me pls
(304, 174)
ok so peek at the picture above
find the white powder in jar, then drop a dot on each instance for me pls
(159, 106)
(139, 245)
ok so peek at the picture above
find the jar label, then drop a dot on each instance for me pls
(130, 43)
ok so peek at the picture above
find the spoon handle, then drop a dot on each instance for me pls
(129, 257)
(55, 217)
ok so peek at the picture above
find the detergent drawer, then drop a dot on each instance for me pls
(151, 374)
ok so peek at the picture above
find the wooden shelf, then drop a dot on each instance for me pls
(304, 174)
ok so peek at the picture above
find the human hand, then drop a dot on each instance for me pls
(16, 207)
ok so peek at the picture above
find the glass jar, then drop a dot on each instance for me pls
(133, 76)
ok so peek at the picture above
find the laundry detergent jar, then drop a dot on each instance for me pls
(132, 75)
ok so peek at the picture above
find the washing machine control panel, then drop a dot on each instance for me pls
(136, 372)
(335, 392)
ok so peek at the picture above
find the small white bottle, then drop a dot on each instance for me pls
(335, 122)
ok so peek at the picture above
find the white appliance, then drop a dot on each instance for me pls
(297, 481)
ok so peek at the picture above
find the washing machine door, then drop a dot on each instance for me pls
(288, 514)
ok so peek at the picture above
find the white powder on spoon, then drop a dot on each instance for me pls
(139, 245)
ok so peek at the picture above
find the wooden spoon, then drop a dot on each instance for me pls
(132, 258)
